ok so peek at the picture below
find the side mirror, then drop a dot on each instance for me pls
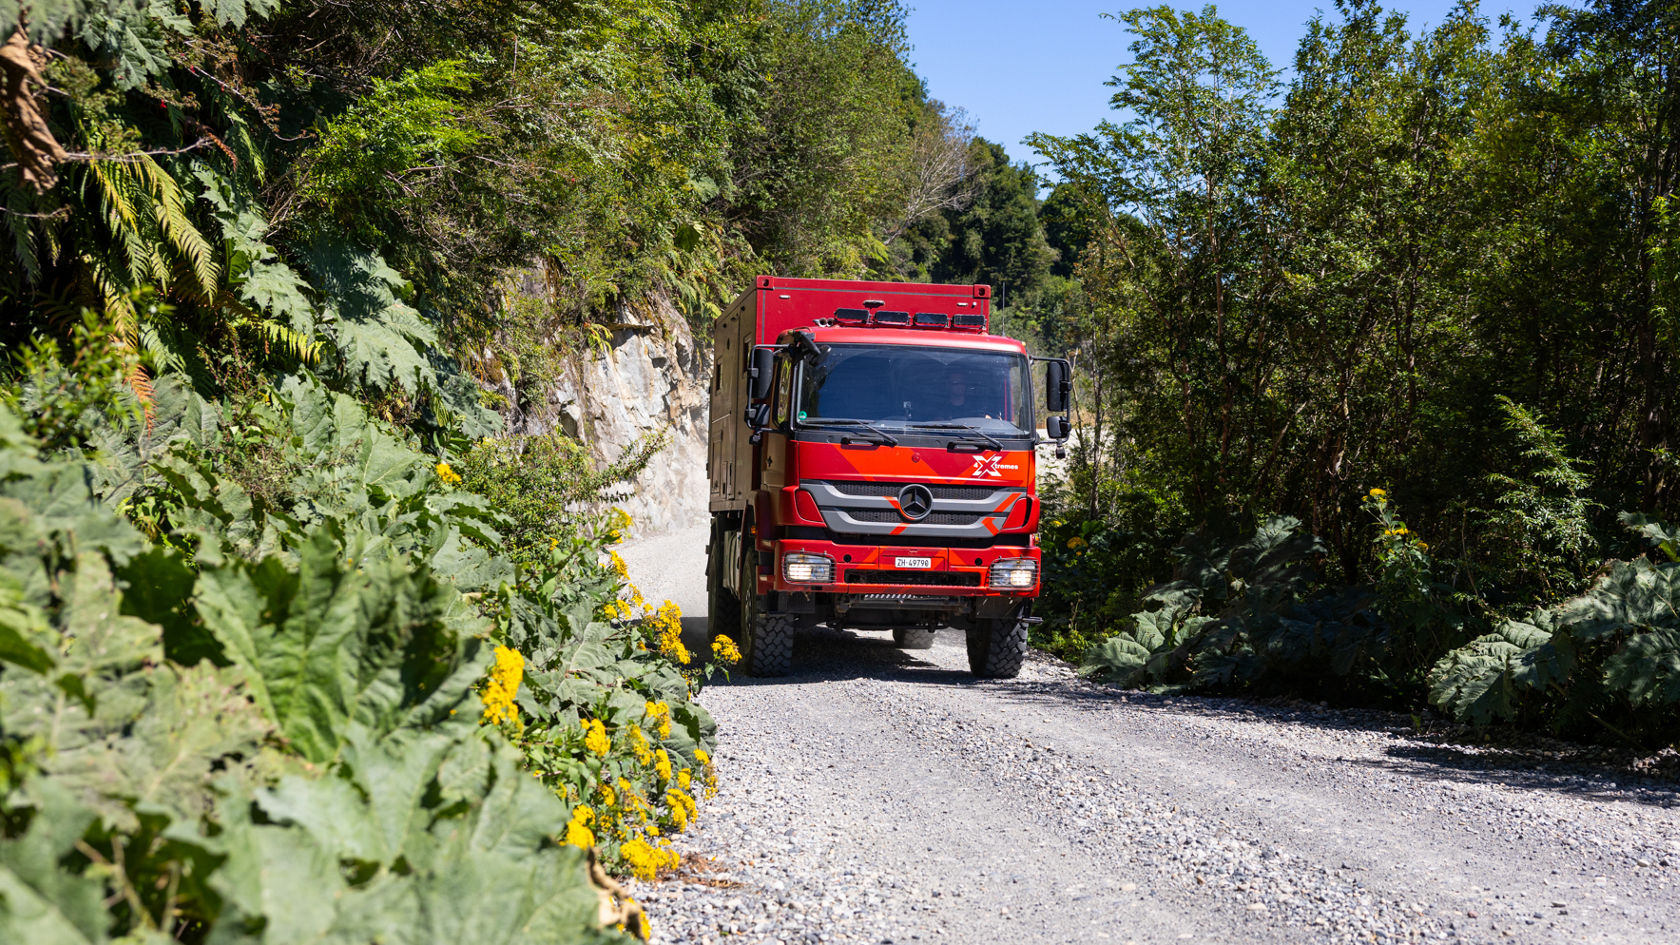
(1058, 385)
(760, 371)
(1057, 428)
(757, 417)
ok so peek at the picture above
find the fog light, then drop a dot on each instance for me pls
(807, 569)
(1015, 573)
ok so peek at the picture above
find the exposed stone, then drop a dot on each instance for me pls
(651, 378)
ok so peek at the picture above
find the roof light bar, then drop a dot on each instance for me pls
(851, 316)
(969, 322)
(892, 318)
(932, 319)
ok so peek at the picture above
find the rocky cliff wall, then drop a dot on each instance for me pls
(652, 377)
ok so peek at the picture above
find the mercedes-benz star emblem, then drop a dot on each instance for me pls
(915, 501)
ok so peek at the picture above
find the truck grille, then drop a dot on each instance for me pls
(919, 578)
(970, 493)
(932, 518)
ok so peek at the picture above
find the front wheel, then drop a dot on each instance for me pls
(997, 648)
(766, 638)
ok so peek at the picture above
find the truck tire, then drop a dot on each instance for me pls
(913, 638)
(766, 638)
(997, 648)
(723, 608)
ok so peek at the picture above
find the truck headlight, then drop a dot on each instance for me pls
(1014, 573)
(807, 569)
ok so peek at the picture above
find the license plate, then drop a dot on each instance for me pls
(907, 563)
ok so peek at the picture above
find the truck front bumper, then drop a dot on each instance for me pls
(902, 571)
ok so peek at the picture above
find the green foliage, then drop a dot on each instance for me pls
(1251, 614)
(540, 484)
(1608, 659)
(1540, 532)
(296, 705)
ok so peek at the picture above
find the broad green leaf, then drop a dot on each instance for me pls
(41, 902)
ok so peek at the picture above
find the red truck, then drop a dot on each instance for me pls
(872, 467)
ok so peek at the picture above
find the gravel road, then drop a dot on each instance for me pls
(880, 795)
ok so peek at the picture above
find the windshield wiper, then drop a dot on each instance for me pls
(877, 434)
(991, 441)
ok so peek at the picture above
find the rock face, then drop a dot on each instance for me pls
(652, 378)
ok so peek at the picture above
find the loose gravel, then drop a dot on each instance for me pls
(880, 795)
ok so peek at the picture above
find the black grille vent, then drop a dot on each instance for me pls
(932, 518)
(892, 488)
(918, 578)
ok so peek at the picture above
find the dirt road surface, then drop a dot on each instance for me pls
(882, 795)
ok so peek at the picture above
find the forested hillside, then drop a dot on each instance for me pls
(285, 614)
(1391, 338)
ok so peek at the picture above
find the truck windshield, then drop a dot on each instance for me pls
(903, 387)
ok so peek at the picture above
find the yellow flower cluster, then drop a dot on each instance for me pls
(578, 833)
(662, 765)
(660, 713)
(503, 685)
(449, 476)
(1402, 531)
(685, 778)
(725, 651)
(1378, 494)
(667, 626)
(1076, 542)
(618, 523)
(645, 859)
(707, 771)
(682, 808)
(639, 745)
(595, 736)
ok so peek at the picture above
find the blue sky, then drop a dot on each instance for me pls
(1024, 67)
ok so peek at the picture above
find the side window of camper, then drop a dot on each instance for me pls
(784, 390)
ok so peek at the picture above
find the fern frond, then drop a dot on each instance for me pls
(169, 205)
(119, 193)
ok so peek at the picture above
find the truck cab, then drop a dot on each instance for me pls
(872, 466)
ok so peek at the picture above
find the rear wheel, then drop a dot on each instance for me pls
(997, 648)
(913, 638)
(766, 638)
(723, 608)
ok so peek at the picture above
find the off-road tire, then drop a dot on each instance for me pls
(723, 608)
(997, 648)
(913, 638)
(767, 645)
(766, 638)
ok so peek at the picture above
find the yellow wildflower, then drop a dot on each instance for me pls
(1378, 494)
(662, 765)
(639, 745)
(1076, 542)
(1421, 545)
(660, 713)
(503, 685)
(608, 797)
(725, 651)
(645, 859)
(595, 736)
(578, 833)
(667, 626)
(684, 778)
(702, 756)
(449, 476)
(682, 808)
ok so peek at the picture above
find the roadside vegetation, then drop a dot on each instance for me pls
(1377, 367)
(288, 611)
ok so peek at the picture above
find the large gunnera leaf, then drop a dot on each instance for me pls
(1486, 679)
(41, 902)
(332, 642)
